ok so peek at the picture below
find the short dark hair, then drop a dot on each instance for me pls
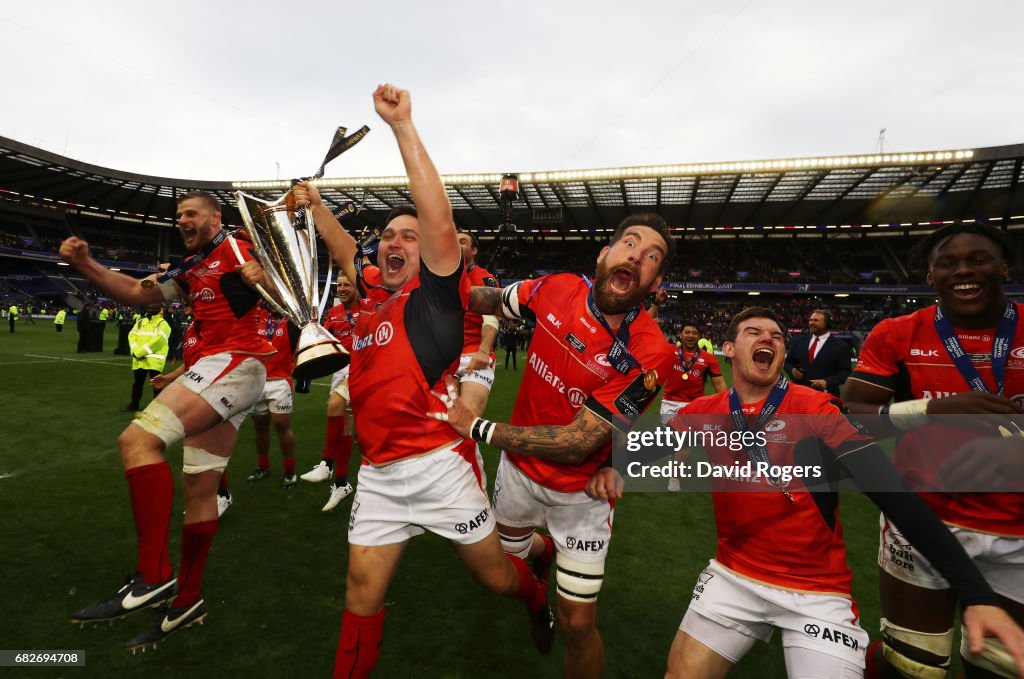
(472, 237)
(652, 221)
(923, 249)
(826, 315)
(211, 200)
(403, 210)
(751, 312)
(689, 323)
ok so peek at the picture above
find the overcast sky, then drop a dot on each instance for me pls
(224, 89)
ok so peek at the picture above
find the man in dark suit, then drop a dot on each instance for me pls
(818, 359)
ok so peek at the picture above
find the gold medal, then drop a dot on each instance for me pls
(686, 376)
(147, 283)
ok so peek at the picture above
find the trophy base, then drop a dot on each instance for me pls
(318, 353)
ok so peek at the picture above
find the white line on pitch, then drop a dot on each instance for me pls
(105, 361)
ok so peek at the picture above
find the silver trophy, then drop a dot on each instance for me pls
(285, 246)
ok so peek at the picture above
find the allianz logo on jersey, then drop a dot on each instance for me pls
(576, 396)
(381, 336)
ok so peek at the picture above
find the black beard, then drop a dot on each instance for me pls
(609, 302)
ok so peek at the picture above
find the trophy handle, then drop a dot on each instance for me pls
(325, 293)
(259, 288)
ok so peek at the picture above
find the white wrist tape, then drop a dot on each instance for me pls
(907, 415)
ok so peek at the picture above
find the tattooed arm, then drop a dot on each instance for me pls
(486, 301)
(569, 443)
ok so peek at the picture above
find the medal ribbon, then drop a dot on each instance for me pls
(1005, 331)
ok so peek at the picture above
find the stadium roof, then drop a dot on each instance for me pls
(875, 192)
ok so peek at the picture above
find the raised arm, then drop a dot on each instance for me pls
(75, 252)
(439, 247)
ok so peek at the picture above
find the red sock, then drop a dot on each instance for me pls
(871, 668)
(151, 488)
(529, 590)
(222, 486)
(196, 539)
(289, 466)
(341, 458)
(335, 430)
(358, 645)
(549, 548)
(263, 461)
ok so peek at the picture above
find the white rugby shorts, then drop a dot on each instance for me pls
(440, 492)
(670, 409)
(1000, 559)
(230, 383)
(484, 376)
(276, 399)
(580, 525)
(339, 384)
(729, 612)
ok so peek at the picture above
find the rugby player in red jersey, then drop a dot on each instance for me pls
(692, 368)
(781, 561)
(961, 356)
(476, 366)
(418, 474)
(274, 406)
(592, 366)
(205, 406)
(341, 322)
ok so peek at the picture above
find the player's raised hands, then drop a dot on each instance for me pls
(74, 250)
(393, 105)
(455, 414)
(306, 194)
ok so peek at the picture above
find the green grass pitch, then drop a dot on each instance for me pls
(275, 578)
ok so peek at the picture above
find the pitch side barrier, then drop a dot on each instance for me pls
(823, 453)
(816, 288)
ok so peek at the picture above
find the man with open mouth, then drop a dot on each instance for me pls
(205, 407)
(781, 558)
(418, 473)
(594, 365)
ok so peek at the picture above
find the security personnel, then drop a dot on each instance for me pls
(705, 344)
(148, 341)
(12, 315)
(104, 314)
(58, 320)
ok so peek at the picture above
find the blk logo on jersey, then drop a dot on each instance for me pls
(554, 321)
(479, 520)
(925, 353)
(385, 331)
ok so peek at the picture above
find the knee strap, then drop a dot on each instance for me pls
(577, 580)
(197, 461)
(161, 422)
(517, 546)
(936, 643)
(995, 658)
